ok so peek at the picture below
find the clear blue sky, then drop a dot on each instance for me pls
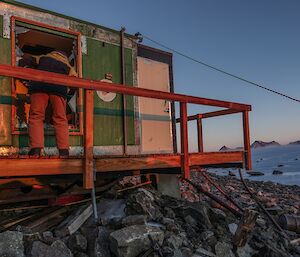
(256, 39)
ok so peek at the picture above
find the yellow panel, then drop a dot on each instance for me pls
(155, 114)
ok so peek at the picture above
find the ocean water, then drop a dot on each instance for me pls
(266, 160)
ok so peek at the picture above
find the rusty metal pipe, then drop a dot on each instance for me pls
(215, 198)
(290, 222)
(261, 206)
(204, 174)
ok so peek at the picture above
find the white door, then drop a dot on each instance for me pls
(155, 114)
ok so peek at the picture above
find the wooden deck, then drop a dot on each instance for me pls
(16, 166)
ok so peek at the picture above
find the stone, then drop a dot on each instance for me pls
(110, 210)
(11, 244)
(134, 220)
(97, 241)
(245, 251)
(173, 241)
(186, 252)
(202, 252)
(277, 172)
(77, 243)
(59, 249)
(80, 254)
(133, 240)
(191, 221)
(39, 249)
(232, 228)
(216, 215)
(142, 202)
(223, 249)
(48, 237)
(101, 248)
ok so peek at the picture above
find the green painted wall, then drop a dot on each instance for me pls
(5, 94)
(105, 58)
(1, 26)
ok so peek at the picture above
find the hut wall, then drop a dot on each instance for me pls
(100, 55)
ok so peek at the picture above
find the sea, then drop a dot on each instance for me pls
(268, 159)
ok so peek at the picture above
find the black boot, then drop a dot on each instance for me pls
(35, 152)
(63, 152)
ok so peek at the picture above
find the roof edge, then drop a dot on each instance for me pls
(32, 7)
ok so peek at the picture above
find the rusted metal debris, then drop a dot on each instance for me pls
(215, 198)
(261, 206)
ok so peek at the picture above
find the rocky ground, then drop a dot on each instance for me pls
(142, 222)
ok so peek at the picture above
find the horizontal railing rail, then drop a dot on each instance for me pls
(90, 85)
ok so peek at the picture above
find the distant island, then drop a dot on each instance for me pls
(257, 144)
(295, 143)
(260, 144)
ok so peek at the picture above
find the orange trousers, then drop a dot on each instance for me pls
(39, 102)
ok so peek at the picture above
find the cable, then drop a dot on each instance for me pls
(139, 35)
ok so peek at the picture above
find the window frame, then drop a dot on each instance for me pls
(77, 35)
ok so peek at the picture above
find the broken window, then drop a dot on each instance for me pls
(35, 41)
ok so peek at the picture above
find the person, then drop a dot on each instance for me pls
(41, 94)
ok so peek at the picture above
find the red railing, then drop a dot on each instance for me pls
(246, 130)
(90, 85)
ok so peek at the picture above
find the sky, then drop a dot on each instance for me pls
(258, 40)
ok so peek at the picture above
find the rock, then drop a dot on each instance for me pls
(232, 228)
(255, 173)
(191, 221)
(173, 241)
(216, 215)
(97, 241)
(134, 220)
(39, 249)
(142, 202)
(59, 249)
(11, 244)
(133, 240)
(223, 250)
(277, 172)
(230, 173)
(111, 211)
(245, 251)
(280, 165)
(77, 243)
(47, 237)
(81, 255)
(202, 252)
(186, 252)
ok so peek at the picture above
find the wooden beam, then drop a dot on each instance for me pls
(88, 176)
(59, 79)
(246, 130)
(36, 167)
(184, 141)
(219, 113)
(200, 135)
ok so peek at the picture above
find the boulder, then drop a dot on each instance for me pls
(134, 220)
(277, 172)
(77, 243)
(133, 240)
(143, 202)
(11, 244)
(59, 249)
(39, 249)
(223, 250)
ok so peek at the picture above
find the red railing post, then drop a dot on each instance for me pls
(247, 147)
(200, 134)
(184, 140)
(88, 173)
